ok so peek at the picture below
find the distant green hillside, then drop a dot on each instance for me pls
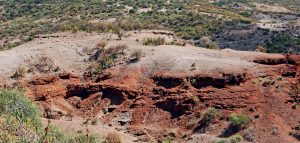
(189, 19)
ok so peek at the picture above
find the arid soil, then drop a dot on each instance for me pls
(166, 93)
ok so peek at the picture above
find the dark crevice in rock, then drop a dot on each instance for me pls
(175, 107)
(82, 91)
(114, 95)
(271, 61)
(168, 82)
(226, 79)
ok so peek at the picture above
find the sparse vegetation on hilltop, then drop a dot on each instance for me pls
(188, 19)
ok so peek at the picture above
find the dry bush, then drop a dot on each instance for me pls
(20, 72)
(209, 44)
(136, 55)
(154, 41)
(212, 45)
(261, 49)
(88, 51)
(120, 32)
(118, 49)
(177, 43)
(211, 115)
(113, 137)
(101, 44)
(43, 64)
(106, 58)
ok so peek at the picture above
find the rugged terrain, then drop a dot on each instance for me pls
(164, 94)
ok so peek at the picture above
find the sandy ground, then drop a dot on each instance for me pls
(65, 49)
(76, 126)
(271, 8)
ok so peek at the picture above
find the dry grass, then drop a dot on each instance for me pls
(261, 49)
(101, 44)
(177, 43)
(106, 58)
(20, 72)
(136, 55)
(43, 64)
(154, 41)
(88, 51)
(113, 137)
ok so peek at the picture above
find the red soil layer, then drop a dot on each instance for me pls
(176, 102)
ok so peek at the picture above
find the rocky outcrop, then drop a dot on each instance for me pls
(178, 101)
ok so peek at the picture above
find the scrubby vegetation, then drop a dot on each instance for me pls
(101, 44)
(154, 41)
(20, 72)
(106, 57)
(20, 122)
(191, 20)
(211, 115)
(233, 139)
(136, 55)
(238, 121)
(261, 49)
(113, 137)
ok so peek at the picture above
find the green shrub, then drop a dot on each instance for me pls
(14, 131)
(85, 139)
(210, 115)
(14, 103)
(238, 120)
(55, 135)
(233, 139)
(154, 41)
(236, 139)
(222, 141)
(165, 141)
(22, 123)
(21, 117)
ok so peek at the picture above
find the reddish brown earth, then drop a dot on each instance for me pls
(166, 102)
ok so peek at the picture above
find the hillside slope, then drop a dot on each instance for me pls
(166, 93)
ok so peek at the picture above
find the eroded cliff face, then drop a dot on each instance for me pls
(158, 104)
